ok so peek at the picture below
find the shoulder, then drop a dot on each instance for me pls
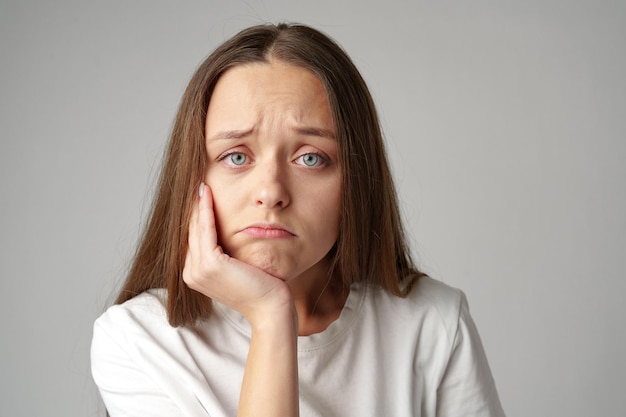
(428, 299)
(125, 329)
(144, 366)
(428, 319)
(434, 293)
(133, 339)
(147, 308)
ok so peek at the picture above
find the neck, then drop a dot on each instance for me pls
(318, 298)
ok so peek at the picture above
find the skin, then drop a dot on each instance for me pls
(266, 218)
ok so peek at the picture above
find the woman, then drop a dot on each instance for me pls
(273, 278)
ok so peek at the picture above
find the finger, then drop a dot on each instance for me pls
(193, 255)
(187, 267)
(192, 239)
(207, 238)
(194, 248)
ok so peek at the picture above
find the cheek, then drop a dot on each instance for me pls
(335, 201)
(327, 209)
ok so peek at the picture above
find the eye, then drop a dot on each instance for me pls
(312, 160)
(237, 158)
(234, 158)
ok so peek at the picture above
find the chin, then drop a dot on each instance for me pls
(267, 263)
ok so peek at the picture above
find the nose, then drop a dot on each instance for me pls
(272, 191)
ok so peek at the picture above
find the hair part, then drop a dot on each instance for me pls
(371, 246)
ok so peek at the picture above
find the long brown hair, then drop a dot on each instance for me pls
(371, 245)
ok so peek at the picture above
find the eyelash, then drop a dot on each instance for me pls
(231, 153)
(323, 160)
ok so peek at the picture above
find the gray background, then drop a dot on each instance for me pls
(506, 125)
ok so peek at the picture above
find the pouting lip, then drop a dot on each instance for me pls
(268, 226)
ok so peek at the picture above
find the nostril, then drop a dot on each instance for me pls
(272, 194)
(279, 203)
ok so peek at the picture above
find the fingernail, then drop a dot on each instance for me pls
(201, 190)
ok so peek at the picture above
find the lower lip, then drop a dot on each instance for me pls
(267, 233)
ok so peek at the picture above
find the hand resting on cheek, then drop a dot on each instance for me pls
(238, 285)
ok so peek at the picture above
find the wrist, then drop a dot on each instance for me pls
(276, 315)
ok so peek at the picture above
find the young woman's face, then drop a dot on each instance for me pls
(273, 168)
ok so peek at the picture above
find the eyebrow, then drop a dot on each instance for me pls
(307, 131)
(315, 131)
(231, 134)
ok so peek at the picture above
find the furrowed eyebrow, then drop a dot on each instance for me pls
(314, 131)
(231, 134)
(307, 131)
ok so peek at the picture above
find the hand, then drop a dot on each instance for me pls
(240, 286)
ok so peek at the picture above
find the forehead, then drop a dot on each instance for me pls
(269, 81)
(274, 74)
(274, 88)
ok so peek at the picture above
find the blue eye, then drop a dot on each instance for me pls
(312, 160)
(237, 158)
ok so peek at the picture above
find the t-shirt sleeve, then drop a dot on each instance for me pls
(467, 388)
(125, 388)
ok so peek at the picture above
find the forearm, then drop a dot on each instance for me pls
(270, 383)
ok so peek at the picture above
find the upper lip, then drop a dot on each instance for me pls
(269, 225)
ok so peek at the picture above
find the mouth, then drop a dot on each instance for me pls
(268, 231)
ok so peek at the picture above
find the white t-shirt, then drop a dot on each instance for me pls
(384, 356)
